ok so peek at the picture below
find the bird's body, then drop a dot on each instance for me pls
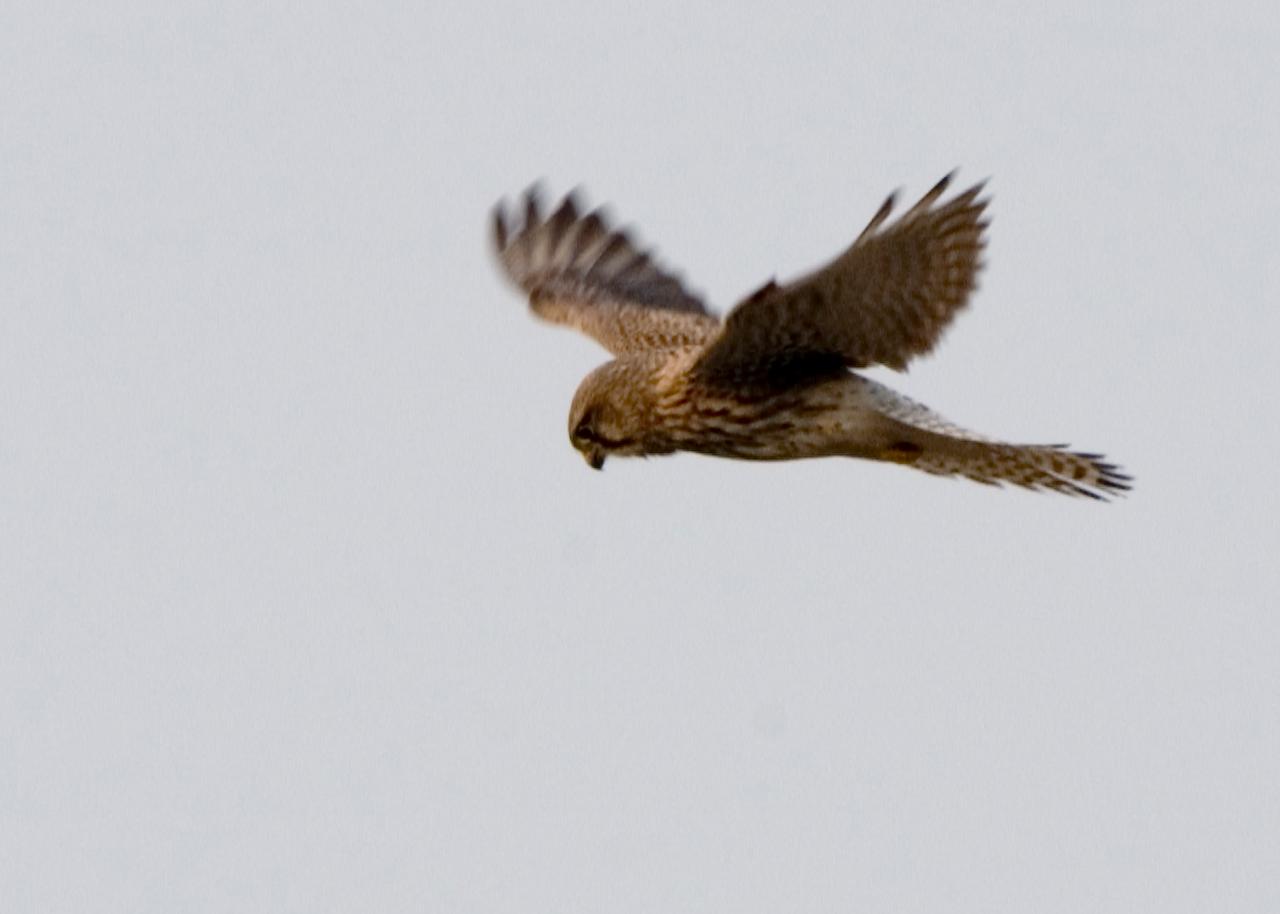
(774, 381)
(823, 417)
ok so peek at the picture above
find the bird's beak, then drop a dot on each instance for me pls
(595, 459)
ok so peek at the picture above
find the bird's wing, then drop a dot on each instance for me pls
(579, 272)
(883, 301)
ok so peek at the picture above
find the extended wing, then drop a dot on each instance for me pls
(576, 271)
(883, 301)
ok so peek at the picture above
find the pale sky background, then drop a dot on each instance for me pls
(306, 603)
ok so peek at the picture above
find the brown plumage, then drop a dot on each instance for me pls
(773, 381)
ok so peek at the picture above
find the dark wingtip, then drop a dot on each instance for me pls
(498, 223)
(924, 203)
(565, 215)
(573, 199)
(533, 205)
(972, 198)
(886, 207)
(881, 215)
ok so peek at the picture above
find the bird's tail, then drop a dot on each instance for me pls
(1051, 467)
(915, 436)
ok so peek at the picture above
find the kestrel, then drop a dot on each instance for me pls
(773, 380)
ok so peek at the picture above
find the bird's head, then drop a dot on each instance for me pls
(612, 413)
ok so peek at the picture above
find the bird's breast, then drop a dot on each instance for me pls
(766, 424)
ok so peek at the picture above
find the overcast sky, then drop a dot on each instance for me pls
(307, 604)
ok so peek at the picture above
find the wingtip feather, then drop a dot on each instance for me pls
(498, 224)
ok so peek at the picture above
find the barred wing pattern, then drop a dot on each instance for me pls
(883, 301)
(577, 271)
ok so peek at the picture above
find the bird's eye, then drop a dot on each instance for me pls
(583, 432)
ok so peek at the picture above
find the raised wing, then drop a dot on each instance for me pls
(576, 271)
(883, 301)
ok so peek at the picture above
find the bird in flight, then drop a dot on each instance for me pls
(773, 380)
